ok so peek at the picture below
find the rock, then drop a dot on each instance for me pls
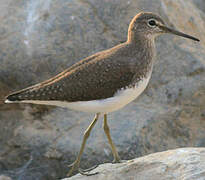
(41, 38)
(2, 177)
(184, 163)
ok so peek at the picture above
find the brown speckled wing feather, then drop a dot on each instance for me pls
(96, 77)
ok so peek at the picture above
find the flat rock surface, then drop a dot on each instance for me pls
(40, 38)
(184, 163)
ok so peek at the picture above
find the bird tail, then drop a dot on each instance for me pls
(12, 98)
(24, 94)
(37, 92)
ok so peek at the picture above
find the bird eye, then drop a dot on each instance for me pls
(152, 22)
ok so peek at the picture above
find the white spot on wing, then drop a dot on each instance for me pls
(7, 101)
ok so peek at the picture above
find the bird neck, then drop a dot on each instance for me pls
(139, 37)
(142, 43)
(143, 51)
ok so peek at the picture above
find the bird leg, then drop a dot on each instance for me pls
(75, 165)
(107, 132)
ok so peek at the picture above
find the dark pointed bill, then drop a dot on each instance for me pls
(172, 31)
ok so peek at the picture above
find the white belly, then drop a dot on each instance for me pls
(120, 99)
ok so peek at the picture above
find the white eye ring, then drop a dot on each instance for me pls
(152, 23)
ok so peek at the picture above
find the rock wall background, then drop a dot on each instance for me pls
(40, 38)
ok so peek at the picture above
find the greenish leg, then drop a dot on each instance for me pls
(75, 165)
(107, 132)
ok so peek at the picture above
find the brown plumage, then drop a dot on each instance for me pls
(98, 76)
(126, 67)
(101, 75)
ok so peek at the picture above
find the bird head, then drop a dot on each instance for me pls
(151, 25)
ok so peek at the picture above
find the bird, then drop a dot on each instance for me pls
(105, 81)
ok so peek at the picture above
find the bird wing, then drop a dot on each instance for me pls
(98, 76)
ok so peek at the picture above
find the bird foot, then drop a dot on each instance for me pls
(75, 167)
(118, 161)
(87, 171)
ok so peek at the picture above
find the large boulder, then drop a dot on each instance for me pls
(184, 163)
(40, 38)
